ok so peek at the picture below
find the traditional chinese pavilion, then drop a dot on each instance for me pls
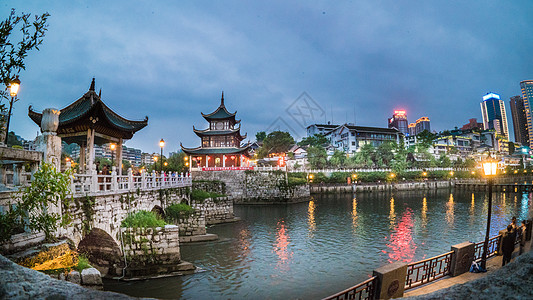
(221, 142)
(89, 121)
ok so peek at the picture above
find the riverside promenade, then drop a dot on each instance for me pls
(510, 282)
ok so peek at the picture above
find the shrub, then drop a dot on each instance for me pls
(83, 263)
(175, 211)
(201, 195)
(143, 219)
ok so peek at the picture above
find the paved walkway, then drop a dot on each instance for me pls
(493, 264)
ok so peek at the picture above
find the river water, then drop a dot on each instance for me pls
(314, 249)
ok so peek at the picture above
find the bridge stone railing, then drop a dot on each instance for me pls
(108, 184)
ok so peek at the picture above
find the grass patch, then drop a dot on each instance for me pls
(201, 195)
(176, 211)
(143, 219)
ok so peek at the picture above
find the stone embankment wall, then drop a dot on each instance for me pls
(107, 211)
(192, 224)
(213, 186)
(219, 210)
(151, 250)
(405, 186)
(254, 187)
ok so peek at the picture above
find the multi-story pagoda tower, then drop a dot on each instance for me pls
(221, 142)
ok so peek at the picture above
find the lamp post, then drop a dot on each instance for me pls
(112, 147)
(13, 90)
(162, 144)
(490, 167)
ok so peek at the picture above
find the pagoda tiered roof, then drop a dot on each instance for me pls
(90, 111)
(205, 132)
(216, 150)
(221, 113)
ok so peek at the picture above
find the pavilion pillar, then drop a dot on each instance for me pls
(118, 162)
(90, 147)
(82, 159)
(223, 160)
(207, 161)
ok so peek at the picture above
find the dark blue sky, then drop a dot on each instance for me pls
(170, 60)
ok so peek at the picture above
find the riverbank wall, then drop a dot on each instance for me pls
(379, 187)
(256, 187)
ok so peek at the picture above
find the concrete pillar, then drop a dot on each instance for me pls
(223, 161)
(82, 160)
(90, 148)
(207, 161)
(118, 162)
(16, 174)
(391, 280)
(463, 255)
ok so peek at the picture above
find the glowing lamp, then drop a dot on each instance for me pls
(162, 143)
(113, 147)
(490, 167)
(451, 173)
(166, 164)
(14, 88)
(354, 176)
(186, 158)
(155, 158)
(392, 175)
(424, 174)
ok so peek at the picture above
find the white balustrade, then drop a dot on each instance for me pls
(98, 183)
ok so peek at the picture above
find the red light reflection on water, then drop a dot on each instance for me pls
(402, 247)
(282, 244)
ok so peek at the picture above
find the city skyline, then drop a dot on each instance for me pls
(356, 62)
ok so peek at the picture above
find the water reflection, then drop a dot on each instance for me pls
(281, 246)
(354, 214)
(450, 211)
(311, 217)
(401, 245)
(424, 212)
(392, 213)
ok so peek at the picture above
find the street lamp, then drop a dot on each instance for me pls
(162, 144)
(112, 146)
(13, 90)
(490, 167)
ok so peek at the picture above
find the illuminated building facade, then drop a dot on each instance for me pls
(494, 115)
(221, 142)
(520, 126)
(527, 94)
(399, 121)
(422, 124)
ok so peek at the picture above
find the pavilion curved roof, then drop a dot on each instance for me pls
(90, 111)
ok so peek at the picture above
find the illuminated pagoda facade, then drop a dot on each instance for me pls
(221, 142)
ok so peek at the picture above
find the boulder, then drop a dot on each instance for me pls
(74, 277)
(91, 276)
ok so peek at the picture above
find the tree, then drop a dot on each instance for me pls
(444, 161)
(316, 140)
(317, 157)
(399, 162)
(260, 136)
(425, 140)
(385, 152)
(363, 158)
(176, 163)
(12, 54)
(278, 142)
(12, 140)
(338, 159)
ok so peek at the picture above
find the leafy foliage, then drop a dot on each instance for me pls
(317, 157)
(176, 211)
(201, 195)
(12, 54)
(276, 142)
(317, 140)
(48, 188)
(260, 136)
(143, 219)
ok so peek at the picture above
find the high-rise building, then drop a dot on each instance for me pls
(422, 124)
(399, 121)
(494, 115)
(518, 112)
(412, 129)
(527, 94)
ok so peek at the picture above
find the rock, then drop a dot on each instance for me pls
(74, 277)
(17, 282)
(91, 276)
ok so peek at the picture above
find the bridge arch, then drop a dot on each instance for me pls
(101, 249)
